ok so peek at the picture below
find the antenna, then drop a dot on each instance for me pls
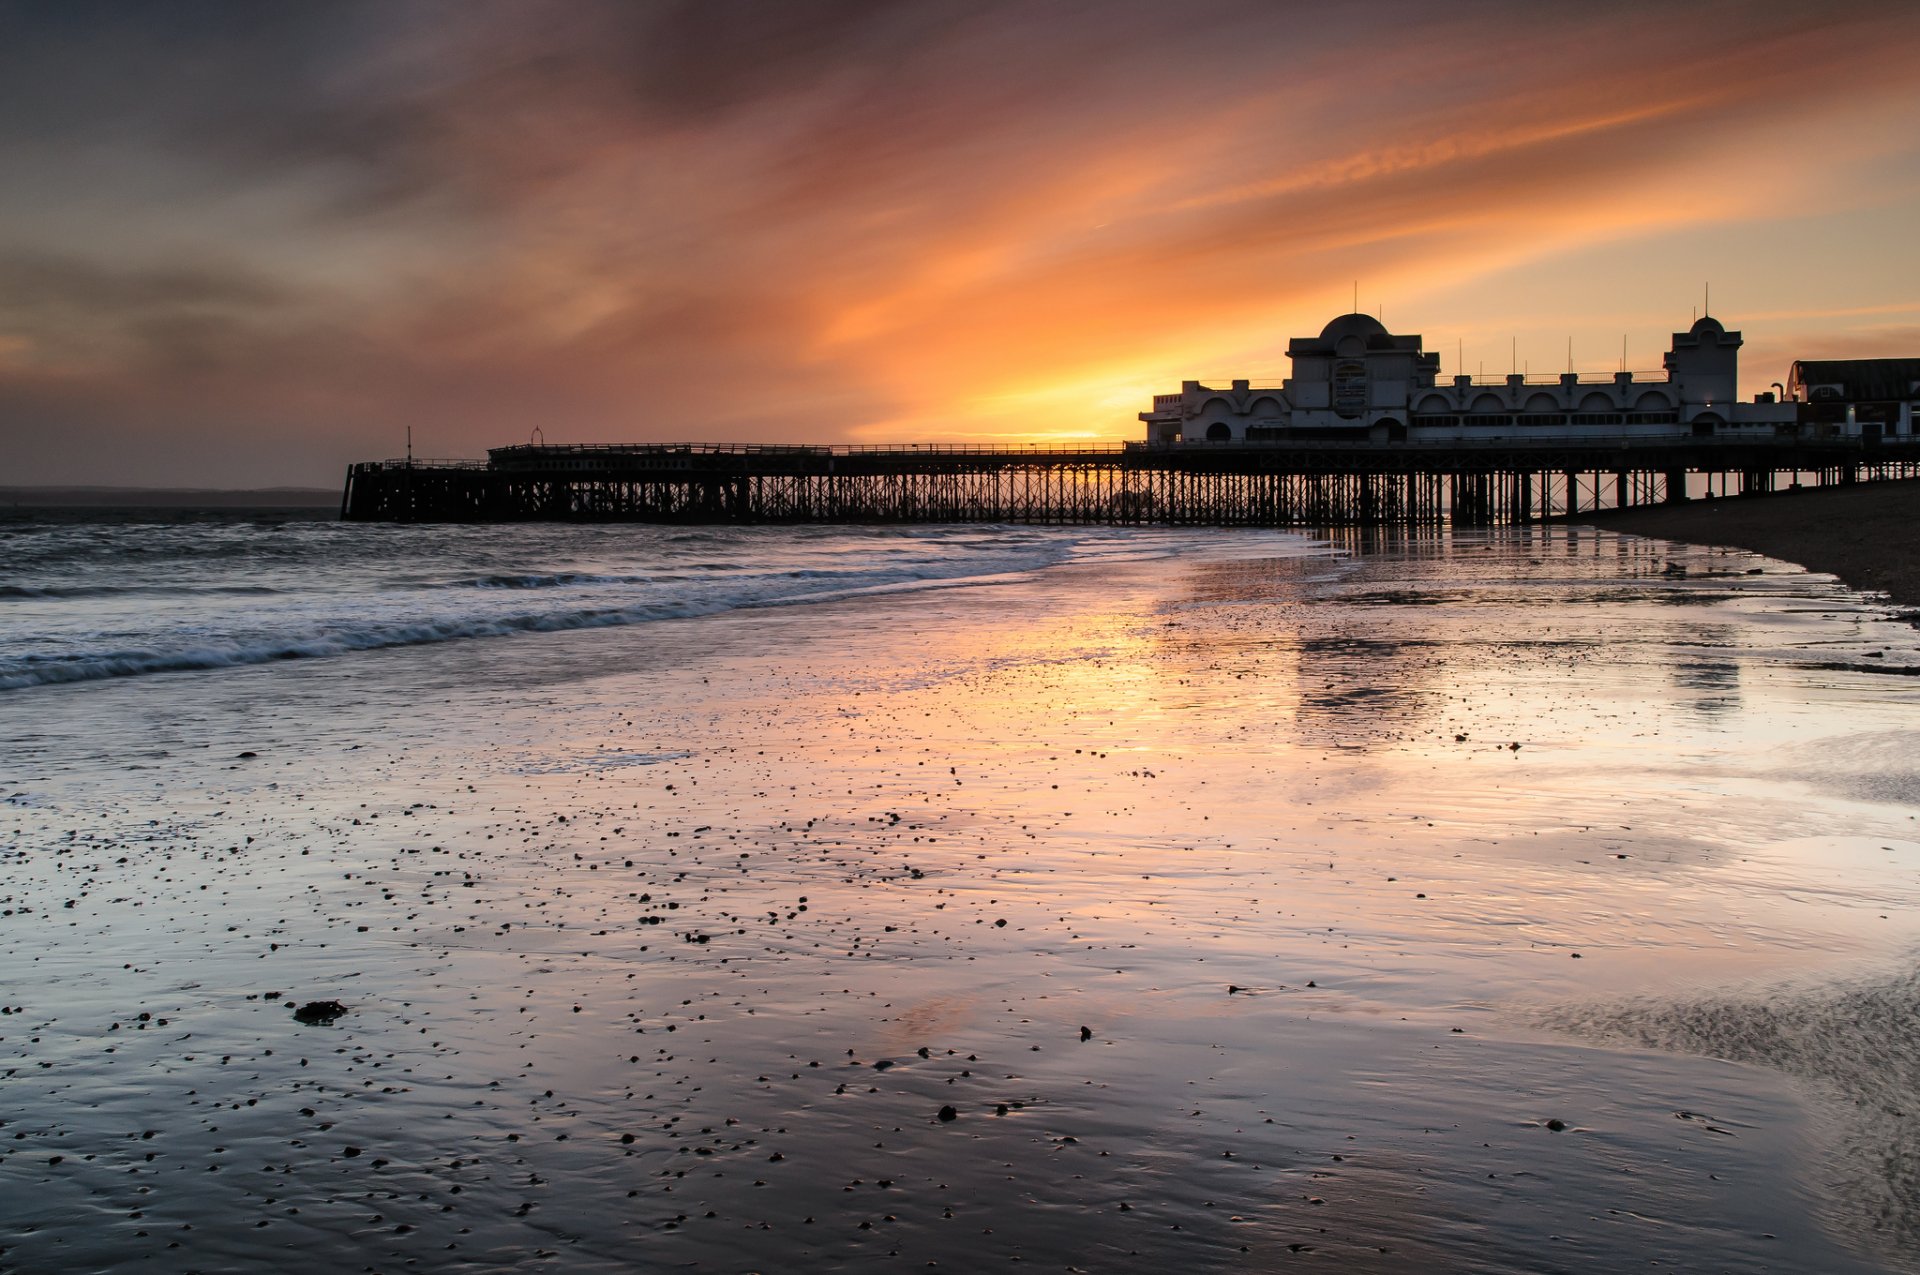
(1569, 354)
(1460, 354)
(409, 447)
(1623, 351)
(1707, 303)
(1356, 296)
(1513, 357)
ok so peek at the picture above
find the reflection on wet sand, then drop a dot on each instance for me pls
(1716, 682)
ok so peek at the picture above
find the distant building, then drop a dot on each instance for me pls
(1358, 381)
(1857, 396)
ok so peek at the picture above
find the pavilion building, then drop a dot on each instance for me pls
(1357, 381)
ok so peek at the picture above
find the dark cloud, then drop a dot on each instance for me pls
(57, 283)
(692, 61)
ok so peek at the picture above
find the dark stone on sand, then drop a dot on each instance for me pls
(948, 1113)
(1556, 1125)
(319, 1013)
(1086, 1033)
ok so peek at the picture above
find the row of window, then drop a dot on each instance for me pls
(1530, 420)
(1220, 432)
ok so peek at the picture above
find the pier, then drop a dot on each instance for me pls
(1295, 484)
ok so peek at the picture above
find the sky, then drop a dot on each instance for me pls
(246, 244)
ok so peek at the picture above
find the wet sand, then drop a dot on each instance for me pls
(1868, 534)
(1412, 907)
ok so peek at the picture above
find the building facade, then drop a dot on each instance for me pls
(1357, 381)
(1869, 397)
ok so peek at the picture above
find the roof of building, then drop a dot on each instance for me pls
(1706, 331)
(1369, 331)
(1360, 325)
(1866, 380)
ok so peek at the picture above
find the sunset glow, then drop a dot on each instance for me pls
(250, 245)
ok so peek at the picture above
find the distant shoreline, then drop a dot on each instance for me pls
(1867, 534)
(167, 498)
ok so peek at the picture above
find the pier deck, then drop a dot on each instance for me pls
(1241, 484)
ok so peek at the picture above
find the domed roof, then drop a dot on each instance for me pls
(1707, 324)
(1364, 326)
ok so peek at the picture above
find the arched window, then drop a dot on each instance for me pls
(1219, 432)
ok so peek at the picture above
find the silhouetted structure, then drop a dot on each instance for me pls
(1313, 484)
(1875, 398)
(1356, 380)
(1360, 435)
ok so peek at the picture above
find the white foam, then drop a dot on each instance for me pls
(324, 605)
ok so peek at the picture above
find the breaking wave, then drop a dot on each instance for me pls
(55, 593)
(91, 601)
(306, 626)
(35, 670)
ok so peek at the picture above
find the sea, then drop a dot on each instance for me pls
(611, 897)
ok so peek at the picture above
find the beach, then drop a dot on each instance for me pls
(1501, 901)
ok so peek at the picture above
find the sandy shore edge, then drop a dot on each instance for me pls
(1867, 534)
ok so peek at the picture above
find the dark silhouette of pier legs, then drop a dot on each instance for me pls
(1329, 486)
